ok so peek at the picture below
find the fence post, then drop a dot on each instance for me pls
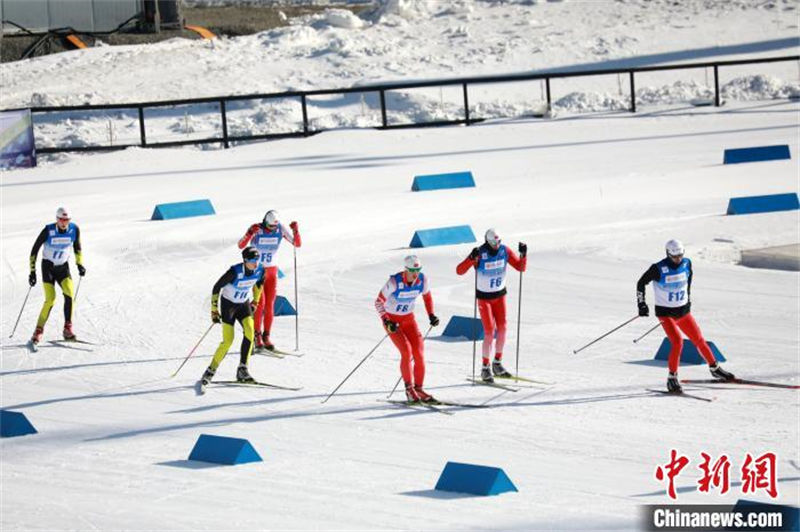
(466, 104)
(633, 94)
(305, 114)
(716, 85)
(224, 124)
(142, 137)
(547, 86)
(383, 108)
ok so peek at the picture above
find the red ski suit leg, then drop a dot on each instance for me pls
(409, 342)
(673, 326)
(265, 311)
(493, 316)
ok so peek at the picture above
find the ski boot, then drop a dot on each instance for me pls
(718, 373)
(37, 335)
(204, 381)
(242, 375)
(673, 385)
(499, 370)
(411, 394)
(68, 334)
(424, 396)
(259, 342)
(486, 374)
(266, 343)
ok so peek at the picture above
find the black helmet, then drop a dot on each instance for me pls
(249, 253)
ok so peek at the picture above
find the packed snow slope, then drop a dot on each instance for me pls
(595, 198)
(406, 39)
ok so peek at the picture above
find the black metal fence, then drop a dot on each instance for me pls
(302, 96)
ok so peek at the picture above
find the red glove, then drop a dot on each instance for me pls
(246, 238)
(296, 231)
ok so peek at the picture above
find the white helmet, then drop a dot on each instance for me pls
(62, 214)
(674, 248)
(492, 238)
(412, 263)
(271, 218)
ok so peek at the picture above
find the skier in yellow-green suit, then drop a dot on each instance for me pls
(232, 300)
(59, 240)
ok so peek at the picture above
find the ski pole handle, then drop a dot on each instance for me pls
(20, 312)
(194, 349)
(656, 326)
(576, 351)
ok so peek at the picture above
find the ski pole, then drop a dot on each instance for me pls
(575, 351)
(401, 376)
(519, 317)
(474, 320)
(355, 368)
(656, 326)
(296, 305)
(77, 289)
(20, 312)
(194, 349)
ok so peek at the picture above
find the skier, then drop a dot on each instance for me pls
(235, 286)
(395, 305)
(672, 288)
(267, 237)
(491, 261)
(59, 240)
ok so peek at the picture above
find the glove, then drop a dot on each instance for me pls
(474, 254)
(293, 225)
(523, 249)
(215, 316)
(32, 279)
(389, 325)
(433, 320)
(81, 270)
(644, 310)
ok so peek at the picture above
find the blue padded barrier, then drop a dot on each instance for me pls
(442, 236)
(474, 479)
(689, 352)
(14, 424)
(464, 328)
(223, 450)
(769, 203)
(282, 307)
(182, 209)
(760, 153)
(440, 181)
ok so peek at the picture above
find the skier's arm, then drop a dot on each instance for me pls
(516, 262)
(40, 240)
(252, 230)
(427, 297)
(259, 287)
(651, 274)
(691, 274)
(464, 266)
(76, 246)
(380, 301)
(295, 239)
(227, 277)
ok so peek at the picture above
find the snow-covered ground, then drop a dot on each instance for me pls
(595, 199)
(594, 196)
(412, 39)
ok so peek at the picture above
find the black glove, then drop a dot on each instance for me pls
(81, 270)
(523, 249)
(474, 254)
(433, 320)
(32, 279)
(644, 310)
(389, 325)
(215, 316)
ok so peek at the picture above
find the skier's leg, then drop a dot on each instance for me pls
(269, 294)
(692, 330)
(499, 313)
(487, 320)
(675, 340)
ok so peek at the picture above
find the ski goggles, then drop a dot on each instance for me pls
(414, 270)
